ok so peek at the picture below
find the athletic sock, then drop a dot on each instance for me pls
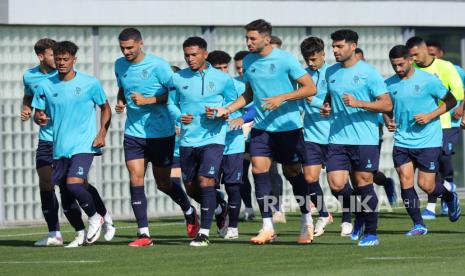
(344, 196)
(177, 194)
(234, 202)
(207, 206)
(370, 214)
(246, 187)
(317, 197)
(99, 205)
(71, 209)
(49, 204)
(440, 191)
(300, 188)
(263, 194)
(412, 205)
(139, 205)
(84, 198)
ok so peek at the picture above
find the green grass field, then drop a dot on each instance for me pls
(438, 253)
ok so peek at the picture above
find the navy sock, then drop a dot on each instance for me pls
(177, 194)
(316, 196)
(432, 199)
(412, 204)
(84, 198)
(99, 205)
(49, 204)
(207, 206)
(446, 168)
(344, 196)
(440, 191)
(370, 212)
(301, 189)
(276, 185)
(139, 205)
(71, 210)
(234, 202)
(246, 187)
(263, 194)
(380, 179)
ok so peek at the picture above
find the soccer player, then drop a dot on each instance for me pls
(449, 77)
(435, 50)
(357, 92)
(359, 54)
(271, 76)
(418, 136)
(68, 101)
(143, 81)
(194, 91)
(316, 128)
(231, 171)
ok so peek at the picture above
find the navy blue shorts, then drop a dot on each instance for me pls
(159, 151)
(201, 161)
(285, 147)
(425, 159)
(357, 158)
(76, 166)
(176, 164)
(450, 137)
(44, 154)
(232, 167)
(315, 154)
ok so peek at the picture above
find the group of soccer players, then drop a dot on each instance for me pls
(323, 116)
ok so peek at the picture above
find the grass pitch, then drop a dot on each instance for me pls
(440, 252)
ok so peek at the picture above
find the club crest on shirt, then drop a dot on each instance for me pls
(323, 83)
(78, 91)
(356, 79)
(211, 86)
(272, 68)
(417, 89)
(144, 75)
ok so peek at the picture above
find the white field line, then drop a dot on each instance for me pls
(49, 262)
(400, 258)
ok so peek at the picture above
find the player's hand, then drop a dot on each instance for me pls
(177, 130)
(187, 119)
(422, 119)
(120, 106)
(99, 141)
(391, 125)
(216, 112)
(462, 124)
(138, 99)
(235, 124)
(325, 110)
(26, 113)
(41, 118)
(350, 100)
(458, 112)
(272, 103)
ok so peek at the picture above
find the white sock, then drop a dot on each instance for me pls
(268, 224)
(218, 210)
(96, 217)
(189, 212)
(81, 233)
(447, 185)
(249, 210)
(205, 232)
(431, 207)
(306, 219)
(144, 230)
(108, 218)
(56, 234)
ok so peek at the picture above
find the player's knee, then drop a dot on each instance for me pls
(311, 178)
(137, 180)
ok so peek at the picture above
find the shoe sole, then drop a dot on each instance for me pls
(262, 242)
(147, 245)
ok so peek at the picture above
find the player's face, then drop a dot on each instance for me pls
(316, 61)
(64, 63)
(402, 66)
(256, 42)
(47, 58)
(435, 52)
(131, 48)
(343, 50)
(419, 54)
(238, 65)
(222, 67)
(195, 57)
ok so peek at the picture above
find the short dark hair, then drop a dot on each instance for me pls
(345, 34)
(434, 43)
(414, 42)
(358, 51)
(259, 25)
(240, 55)
(276, 40)
(195, 41)
(218, 57)
(64, 47)
(43, 44)
(399, 51)
(311, 45)
(130, 33)
(175, 68)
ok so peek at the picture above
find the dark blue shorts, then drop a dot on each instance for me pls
(285, 147)
(425, 159)
(76, 166)
(44, 154)
(232, 167)
(315, 154)
(159, 151)
(176, 164)
(450, 137)
(356, 158)
(201, 161)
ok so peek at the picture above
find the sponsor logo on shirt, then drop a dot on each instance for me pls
(78, 91)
